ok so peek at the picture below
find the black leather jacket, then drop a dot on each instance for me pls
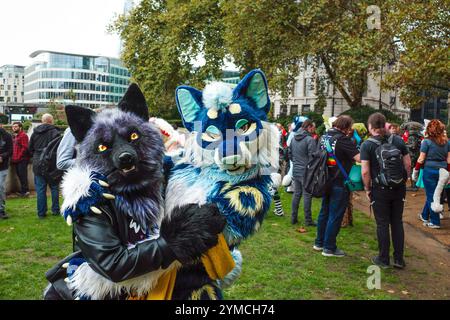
(102, 239)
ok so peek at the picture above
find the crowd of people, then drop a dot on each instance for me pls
(387, 155)
(409, 151)
(17, 149)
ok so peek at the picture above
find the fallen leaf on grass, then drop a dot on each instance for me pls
(301, 230)
(274, 224)
(391, 291)
(405, 292)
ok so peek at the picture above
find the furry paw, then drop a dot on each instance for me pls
(287, 180)
(98, 191)
(276, 180)
(192, 230)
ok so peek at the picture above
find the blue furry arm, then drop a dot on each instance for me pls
(95, 197)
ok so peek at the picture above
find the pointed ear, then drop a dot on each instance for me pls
(254, 86)
(189, 103)
(80, 120)
(134, 101)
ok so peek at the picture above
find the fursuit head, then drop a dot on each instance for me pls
(229, 155)
(120, 158)
(124, 147)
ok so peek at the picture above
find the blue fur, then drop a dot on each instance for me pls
(241, 226)
(192, 109)
(94, 197)
(248, 201)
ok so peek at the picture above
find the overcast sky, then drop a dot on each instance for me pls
(75, 26)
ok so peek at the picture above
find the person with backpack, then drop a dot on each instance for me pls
(300, 152)
(42, 137)
(6, 150)
(21, 157)
(435, 159)
(385, 165)
(340, 153)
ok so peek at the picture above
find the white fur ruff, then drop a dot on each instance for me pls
(75, 184)
(217, 95)
(86, 282)
(436, 205)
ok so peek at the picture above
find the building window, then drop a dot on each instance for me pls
(283, 110)
(309, 87)
(306, 108)
(294, 109)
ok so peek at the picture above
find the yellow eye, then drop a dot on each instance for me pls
(102, 148)
(134, 136)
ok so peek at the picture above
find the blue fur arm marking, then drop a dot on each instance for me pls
(84, 204)
(73, 266)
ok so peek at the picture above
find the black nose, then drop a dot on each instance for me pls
(126, 159)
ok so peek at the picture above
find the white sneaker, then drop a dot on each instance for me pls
(422, 219)
(432, 226)
(317, 248)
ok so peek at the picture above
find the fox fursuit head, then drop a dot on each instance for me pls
(229, 154)
(123, 146)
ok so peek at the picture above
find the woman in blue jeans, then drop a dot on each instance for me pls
(434, 158)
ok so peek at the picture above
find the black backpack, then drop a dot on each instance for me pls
(390, 160)
(47, 161)
(316, 180)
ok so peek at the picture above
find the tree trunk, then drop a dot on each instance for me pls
(337, 84)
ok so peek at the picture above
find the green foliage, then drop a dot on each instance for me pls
(26, 125)
(321, 102)
(162, 39)
(316, 117)
(278, 37)
(4, 118)
(168, 43)
(422, 33)
(363, 113)
(285, 121)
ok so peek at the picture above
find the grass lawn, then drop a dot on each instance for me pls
(279, 262)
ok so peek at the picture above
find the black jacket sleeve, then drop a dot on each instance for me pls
(102, 248)
(31, 144)
(8, 147)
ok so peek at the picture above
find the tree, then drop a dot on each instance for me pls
(422, 34)
(321, 102)
(164, 42)
(278, 35)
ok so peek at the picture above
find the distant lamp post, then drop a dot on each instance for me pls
(380, 107)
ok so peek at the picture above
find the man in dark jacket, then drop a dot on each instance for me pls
(6, 149)
(41, 137)
(302, 147)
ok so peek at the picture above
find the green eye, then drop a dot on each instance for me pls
(241, 123)
(243, 127)
(212, 133)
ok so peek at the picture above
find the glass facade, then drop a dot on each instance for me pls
(91, 81)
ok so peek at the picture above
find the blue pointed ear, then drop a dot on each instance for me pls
(254, 86)
(189, 103)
